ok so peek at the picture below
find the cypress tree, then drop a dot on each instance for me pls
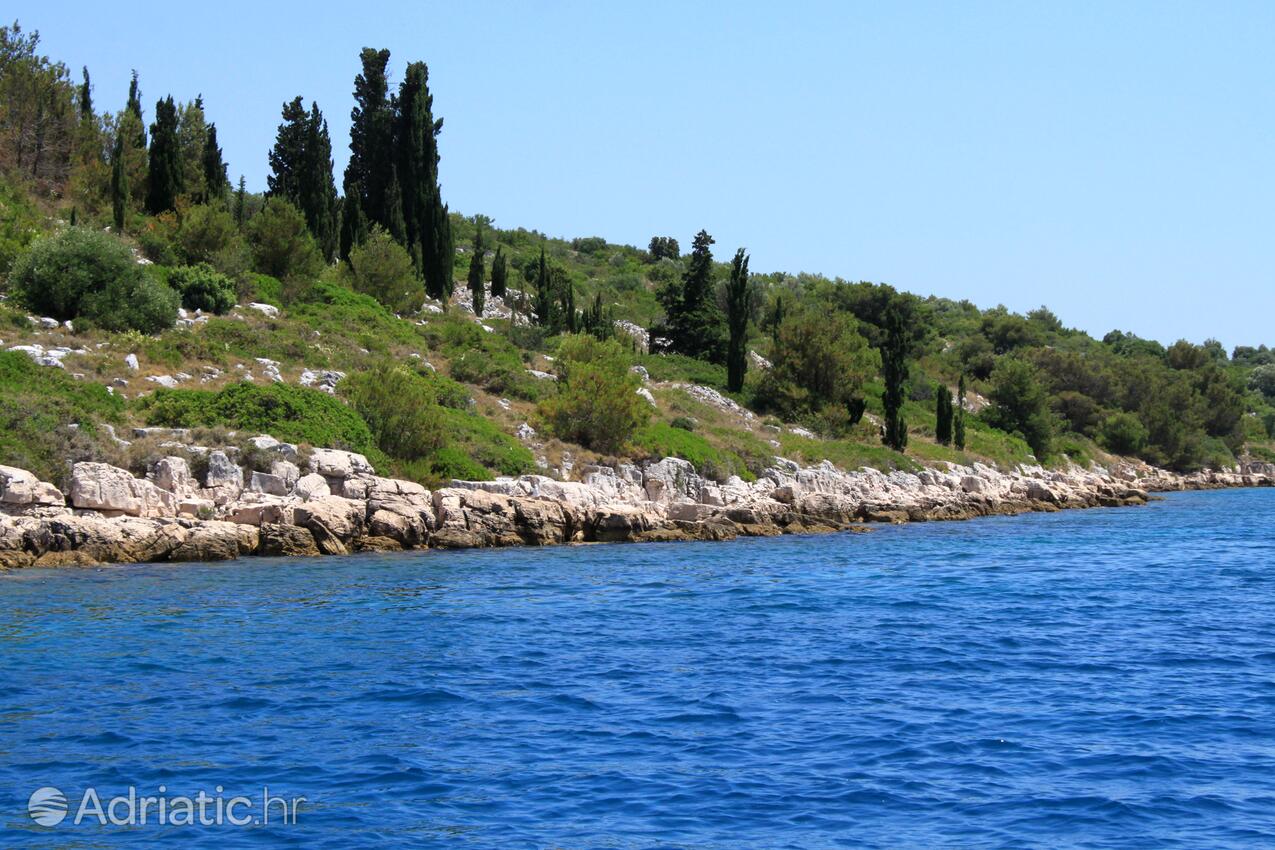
(476, 272)
(426, 224)
(119, 183)
(241, 203)
(134, 107)
(214, 168)
(544, 298)
(301, 171)
(354, 224)
(693, 321)
(776, 319)
(894, 369)
(942, 415)
(86, 97)
(394, 223)
(499, 274)
(738, 308)
(958, 428)
(371, 136)
(165, 183)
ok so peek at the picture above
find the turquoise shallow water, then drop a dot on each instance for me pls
(1097, 679)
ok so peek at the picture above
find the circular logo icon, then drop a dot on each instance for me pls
(47, 806)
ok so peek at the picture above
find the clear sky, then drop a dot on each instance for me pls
(1113, 160)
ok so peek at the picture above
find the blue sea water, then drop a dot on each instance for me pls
(1095, 679)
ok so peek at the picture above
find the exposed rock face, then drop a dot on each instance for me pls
(342, 506)
(113, 491)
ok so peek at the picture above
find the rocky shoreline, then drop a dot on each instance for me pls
(331, 502)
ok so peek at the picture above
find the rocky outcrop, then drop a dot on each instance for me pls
(342, 506)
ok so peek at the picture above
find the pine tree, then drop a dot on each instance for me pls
(942, 415)
(134, 108)
(738, 308)
(214, 168)
(958, 427)
(165, 183)
(894, 370)
(241, 203)
(499, 275)
(119, 183)
(476, 272)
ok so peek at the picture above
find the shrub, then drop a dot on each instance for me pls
(295, 414)
(1123, 433)
(203, 288)
(205, 233)
(381, 268)
(400, 408)
(686, 423)
(819, 361)
(281, 244)
(142, 304)
(1262, 379)
(1020, 405)
(596, 403)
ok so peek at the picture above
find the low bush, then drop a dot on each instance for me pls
(203, 288)
(294, 414)
(400, 408)
(596, 403)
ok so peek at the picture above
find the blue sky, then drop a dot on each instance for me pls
(1115, 161)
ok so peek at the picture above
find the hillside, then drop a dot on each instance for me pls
(142, 292)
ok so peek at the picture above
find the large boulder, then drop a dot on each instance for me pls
(120, 540)
(333, 521)
(339, 465)
(115, 492)
(216, 541)
(671, 480)
(286, 540)
(468, 518)
(268, 483)
(312, 486)
(20, 488)
(261, 510)
(173, 474)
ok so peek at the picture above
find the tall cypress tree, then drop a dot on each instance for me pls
(354, 224)
(301, 171)
(942, 414)
(86, 97)
(134, 107)
(544, 298)
(165, 182)
(372, 137)
(894, 369)
(477, 273)
(119, 183)
(958, 426)
(241, 203)
(426, 224)
(693, 320)
(214, 168)
(738, 307)
(499, 274)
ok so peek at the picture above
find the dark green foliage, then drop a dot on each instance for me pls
(427, 226)
(1020, 405)
(596, 321)
(400, 409)
(381, 268)
(692, 320)
(281, 243)
(821, 363)
(686, 423)
(134, 108)
(942, 415)
(499, 274)
(203, 288)
(119, 184)
(36, 405)
(958, 420)
(292, 413)
(663, 247)
(596, 403)
(85, 273)
(477, 273)
(207, 235)
(1262, 379)
(894, 372)
(86, 97)
(166, 179)
(301, 171)
(738, 310)
(354, 224)
(214, 168)
(1123, 433)
(371, 165)
(241, 206)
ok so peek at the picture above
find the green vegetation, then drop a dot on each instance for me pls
(867, 368)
